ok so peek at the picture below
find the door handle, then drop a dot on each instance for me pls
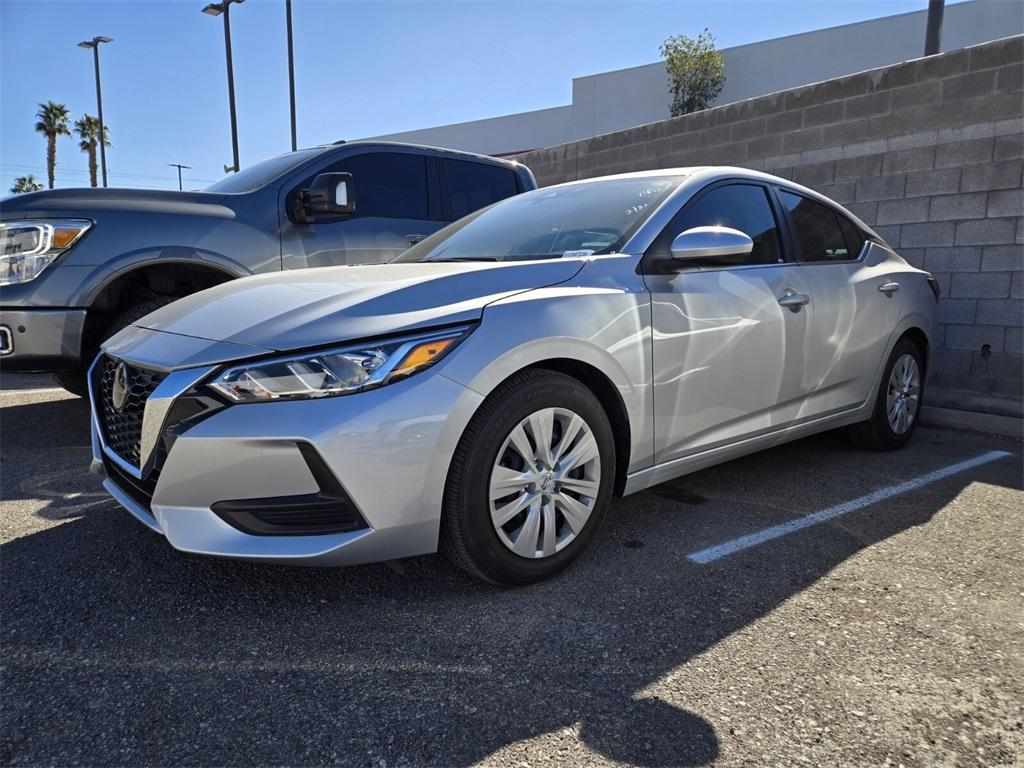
(413, 239)
(889, 288)
(794, 301)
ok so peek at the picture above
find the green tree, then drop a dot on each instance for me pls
(26, 184)
(53, 122)
(696, 71)
(88, 129)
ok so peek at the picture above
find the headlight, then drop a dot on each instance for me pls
(30, 246)
(340, 371)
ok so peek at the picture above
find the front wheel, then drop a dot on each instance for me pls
(530, 481)
(898, 402)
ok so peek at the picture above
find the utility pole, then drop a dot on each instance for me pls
(179, 166)
(95, 45)
(219, 9)
(933, 34)
(291, 70)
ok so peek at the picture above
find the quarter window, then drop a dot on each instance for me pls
(817, 229)
(854, 237)
(472, 186)
(739, 206)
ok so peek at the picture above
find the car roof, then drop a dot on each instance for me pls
(701, 175)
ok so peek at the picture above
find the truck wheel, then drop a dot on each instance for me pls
(75, 381)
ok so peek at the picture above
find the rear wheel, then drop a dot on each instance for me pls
(531, 480)
(898, 403)
(75, 381)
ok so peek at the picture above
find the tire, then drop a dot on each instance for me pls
(879, 433)
(75, 380)
(471, 537)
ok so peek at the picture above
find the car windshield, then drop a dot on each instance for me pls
(573, 220)
(255, 176)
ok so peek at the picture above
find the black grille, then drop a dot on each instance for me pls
(140, 491)
(292, 516)
(122, 428)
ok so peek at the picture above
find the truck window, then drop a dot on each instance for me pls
(389, 185)
(472, 186)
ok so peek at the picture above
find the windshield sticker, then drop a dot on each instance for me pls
(582, 253)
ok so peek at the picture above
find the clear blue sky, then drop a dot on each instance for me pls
(362, 68)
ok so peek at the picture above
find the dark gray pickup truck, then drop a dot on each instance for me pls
(77, 265)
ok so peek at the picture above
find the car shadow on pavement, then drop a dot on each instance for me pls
(119, 650)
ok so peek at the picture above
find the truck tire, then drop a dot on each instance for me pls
(75, 380)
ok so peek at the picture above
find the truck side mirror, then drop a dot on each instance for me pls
(330, 194)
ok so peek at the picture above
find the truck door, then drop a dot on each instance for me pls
(397, 204)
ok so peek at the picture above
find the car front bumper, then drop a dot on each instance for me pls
(389, 449)
(41, 339)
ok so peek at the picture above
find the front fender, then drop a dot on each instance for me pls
(608, 330)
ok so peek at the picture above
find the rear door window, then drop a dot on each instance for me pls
(817, 230)
(472, 186)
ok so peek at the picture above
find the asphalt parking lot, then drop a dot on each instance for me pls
(889, 632)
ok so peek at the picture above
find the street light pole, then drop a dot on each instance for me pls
(179, 166)
(218, 9)
(95, 45)
(291, 69)
(933, 31)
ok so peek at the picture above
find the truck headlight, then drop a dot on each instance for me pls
(340, 371)
(29, 246)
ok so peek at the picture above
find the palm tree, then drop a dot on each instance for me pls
(26, 184)
(88, 129)
(53, 122)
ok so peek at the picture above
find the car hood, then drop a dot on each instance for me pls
(85, 202)
(312, 307)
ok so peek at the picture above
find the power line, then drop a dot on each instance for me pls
(85, 174)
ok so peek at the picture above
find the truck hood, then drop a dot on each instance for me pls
(86, 202)
(312, 307)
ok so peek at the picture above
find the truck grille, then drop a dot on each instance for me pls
(122, 427)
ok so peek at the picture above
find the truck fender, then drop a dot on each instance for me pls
(131, 261)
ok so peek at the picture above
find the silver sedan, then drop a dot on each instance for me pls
(489, 392)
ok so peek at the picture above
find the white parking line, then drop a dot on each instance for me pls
(38, 391)
(719, 551)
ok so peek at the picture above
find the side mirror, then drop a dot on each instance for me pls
(330, 194)
(709, 243)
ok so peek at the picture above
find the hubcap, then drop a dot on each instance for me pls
(904, 394)
(545, 482)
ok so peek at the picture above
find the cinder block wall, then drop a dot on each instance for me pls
(929, 152)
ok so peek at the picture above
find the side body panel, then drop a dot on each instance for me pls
(727, 357)
(849, 325)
